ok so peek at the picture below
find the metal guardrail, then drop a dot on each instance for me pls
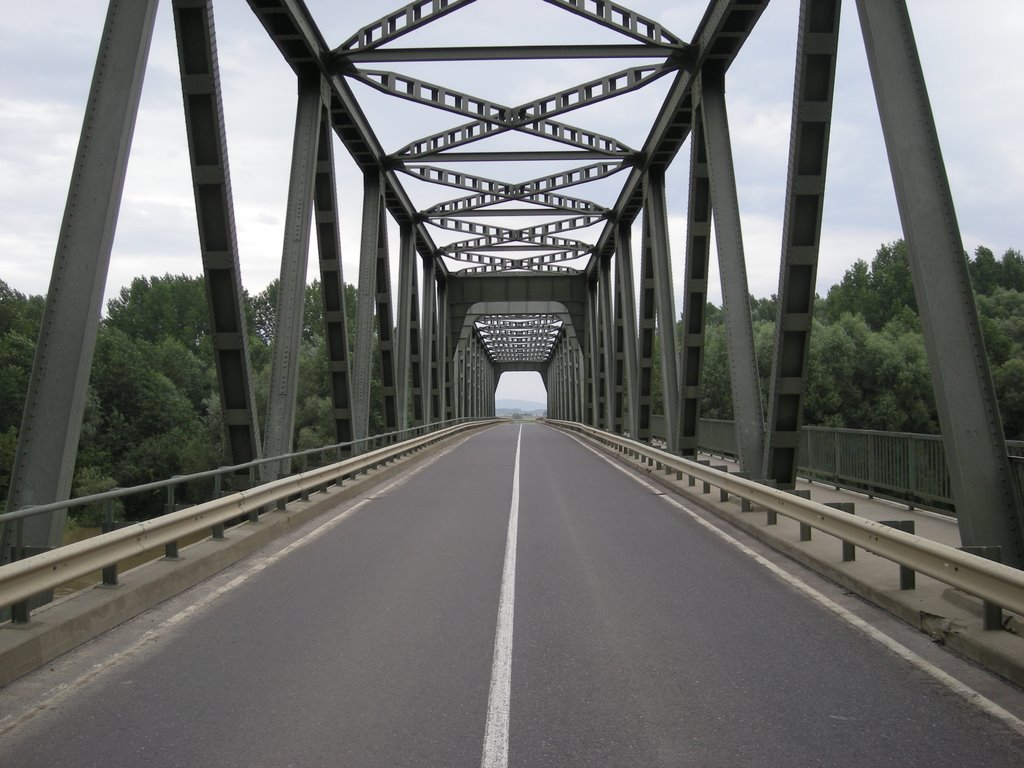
(999, 584)
(40, 573)
(905, 466)
(218, 474)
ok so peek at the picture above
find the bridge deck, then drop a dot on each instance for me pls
(640, 637)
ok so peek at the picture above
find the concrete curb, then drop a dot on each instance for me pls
(70, 621)
(949, 617)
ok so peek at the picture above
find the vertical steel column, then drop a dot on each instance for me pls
(475, 372)
(458, 376)
(591, 387)
(406, 287)
(211, 184)
(284, 369)
(444, 352)
(332, 283)
(416, 373)
(987, 499)
(746, 388)
(52, 422)
(627, 302)
(647, 324)
(656, 212)
(695, 290)
(574, 352)
(817, 42)
(385, 328)
(428, 342)
(604, 286)
(371, 231)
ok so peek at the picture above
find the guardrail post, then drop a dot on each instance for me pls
(218, 489)
(110, 572)
(805, 529)
(992, 613)
(849, 551)
(745, 505)
(723, 495)
(908, 578)
(771, 517)
(171, 547)
(693, 479)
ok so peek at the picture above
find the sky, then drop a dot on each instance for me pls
(970, 52)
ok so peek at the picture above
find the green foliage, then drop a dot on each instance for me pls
(152, 408)
(152, 309)
(880, 293)
(868, 367)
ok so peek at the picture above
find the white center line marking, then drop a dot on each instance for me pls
(498, 701)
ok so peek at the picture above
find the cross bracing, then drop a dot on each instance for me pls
(512, 274)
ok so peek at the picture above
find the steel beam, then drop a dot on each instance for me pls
(428, 340)
(621, 19)
(503, 53)
(406, 290)
(746, 388)
(722, 32)
(695, 291)
(52, 422)
(372, 231)
(211, 184)
(817, 44)
(626, 301)
(608, 366)
(444, 351)
(988, 503)
(284, 369)
(332, 284)
(656, 215)
(648, 309)
(399, 22)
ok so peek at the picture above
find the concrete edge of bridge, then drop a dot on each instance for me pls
(949, 617)
(73, 620)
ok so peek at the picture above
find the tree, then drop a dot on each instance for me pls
(172, 306)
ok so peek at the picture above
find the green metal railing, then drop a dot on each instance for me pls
(899, 465)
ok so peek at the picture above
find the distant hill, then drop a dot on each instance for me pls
(526, 406)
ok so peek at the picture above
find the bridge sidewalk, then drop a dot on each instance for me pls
(949, 616)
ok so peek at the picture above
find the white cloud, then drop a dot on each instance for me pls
(973, 68)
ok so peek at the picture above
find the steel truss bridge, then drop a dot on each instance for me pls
(515, 270)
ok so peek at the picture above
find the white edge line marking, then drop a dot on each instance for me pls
(495, 754)
(962, 690)
(257, 565)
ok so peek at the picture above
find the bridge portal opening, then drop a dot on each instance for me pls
(520, 391)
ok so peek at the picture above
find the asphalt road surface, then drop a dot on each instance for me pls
(628, 634)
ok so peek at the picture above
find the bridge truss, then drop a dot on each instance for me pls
(509, 269)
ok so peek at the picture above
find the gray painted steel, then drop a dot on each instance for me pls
(626, 302)
(372, 231)
(817, 43)
(648, 310)
(695, 292)
(746, 388)
(332, 283)
(406, 341)
(656, 212)
(608, 361)
(428, 341)
(987, 498)
(52, 422)
(284, 369)
(211, 183)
